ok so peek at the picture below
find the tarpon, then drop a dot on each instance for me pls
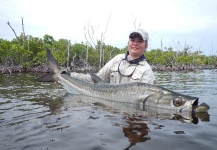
(137, 93)
(131, 109)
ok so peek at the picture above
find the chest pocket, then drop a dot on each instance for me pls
(114, 76)
(137, 76)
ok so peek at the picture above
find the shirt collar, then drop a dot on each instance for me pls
(134, 61)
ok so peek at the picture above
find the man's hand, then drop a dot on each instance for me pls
(58, 82)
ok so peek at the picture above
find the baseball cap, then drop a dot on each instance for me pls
(139, 32)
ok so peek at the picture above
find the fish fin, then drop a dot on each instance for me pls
(46, 78)
(52, 63)
(94, 77)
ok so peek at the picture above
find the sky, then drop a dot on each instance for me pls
(170, 23)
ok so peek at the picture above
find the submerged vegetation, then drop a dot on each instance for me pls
(27, 53)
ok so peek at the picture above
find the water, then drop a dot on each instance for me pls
(41, 116)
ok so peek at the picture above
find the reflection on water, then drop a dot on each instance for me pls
(136, 131)
(37, 115)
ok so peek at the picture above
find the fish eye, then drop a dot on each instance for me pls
(177, 101)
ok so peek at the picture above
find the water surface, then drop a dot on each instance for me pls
(43, 116)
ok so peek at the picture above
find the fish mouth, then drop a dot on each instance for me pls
(203, 107)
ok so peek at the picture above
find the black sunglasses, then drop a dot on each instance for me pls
(124, 74)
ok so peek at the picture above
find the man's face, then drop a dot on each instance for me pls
(136, 47)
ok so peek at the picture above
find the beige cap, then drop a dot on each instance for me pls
(144, 35)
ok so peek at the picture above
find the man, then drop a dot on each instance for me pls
(129, 67)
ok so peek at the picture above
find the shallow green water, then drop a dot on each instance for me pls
(42, 116)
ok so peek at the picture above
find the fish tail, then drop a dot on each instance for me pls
(52, 63)
(53, 68)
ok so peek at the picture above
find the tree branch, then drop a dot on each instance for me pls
(14, 32)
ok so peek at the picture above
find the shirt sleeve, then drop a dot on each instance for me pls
(148, 76)
(104, 73)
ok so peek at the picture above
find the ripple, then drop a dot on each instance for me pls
(38, 116)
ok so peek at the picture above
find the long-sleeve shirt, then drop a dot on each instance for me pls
(141, 72)
(128, 72)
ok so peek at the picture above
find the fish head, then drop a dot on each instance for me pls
(176, 106)
(178, 102)
(175, 101)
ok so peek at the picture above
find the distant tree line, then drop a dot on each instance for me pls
(27, 53)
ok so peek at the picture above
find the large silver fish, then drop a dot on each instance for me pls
(140, 94)
(131, 109)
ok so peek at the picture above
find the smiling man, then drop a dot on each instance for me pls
(129, 67)
(132, 66)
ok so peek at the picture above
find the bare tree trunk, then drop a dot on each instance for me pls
(89, 36)
(68, 55)
(110, 54)
(87, 57)
(101, 43)
(14, 32)
(161, 44)
(103, 57)
(23, 34)
(100, 54)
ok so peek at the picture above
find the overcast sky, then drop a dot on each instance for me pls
(174, 22)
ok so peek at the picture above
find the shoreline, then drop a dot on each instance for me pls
(44, 68)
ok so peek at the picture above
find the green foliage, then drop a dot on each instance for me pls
(31, 52)
(12, 54)
(4, 47)
(48, 40)
(156, 56)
